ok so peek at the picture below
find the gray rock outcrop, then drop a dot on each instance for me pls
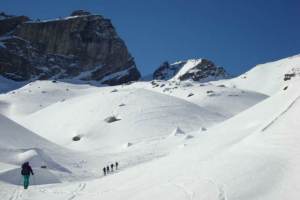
(194, 69)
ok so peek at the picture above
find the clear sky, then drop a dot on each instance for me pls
(235, 34)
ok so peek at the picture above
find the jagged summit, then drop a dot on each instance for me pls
(9, 22)
(80, 13)
(193, 69)
(85, 48)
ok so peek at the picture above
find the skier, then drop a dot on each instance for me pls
(112, 167)
(107, 169)
(117, 164)
(26, 171)
(104, 171)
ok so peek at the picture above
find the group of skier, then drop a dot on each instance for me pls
(107, 169)
(26, 171)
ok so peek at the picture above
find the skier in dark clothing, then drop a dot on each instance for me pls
(104, 171)
(117, 164)
(26, 171)
(112, 167)
(107, 169)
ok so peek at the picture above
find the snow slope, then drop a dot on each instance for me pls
(143, 111)
(141, 114)
(246, 157)
(8, 85)
(267, 78)
(38, 95)
(217, 98)
(252, 155)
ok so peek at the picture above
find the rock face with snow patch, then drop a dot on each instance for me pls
(82, 46)
(194, 69)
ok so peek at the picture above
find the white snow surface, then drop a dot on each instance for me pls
(267, 78)
(231, 139)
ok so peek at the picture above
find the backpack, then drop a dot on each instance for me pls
(25, 171)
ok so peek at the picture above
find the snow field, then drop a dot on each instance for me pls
(237, 141)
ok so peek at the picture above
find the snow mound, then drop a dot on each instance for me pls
(27, 155)
(38, 95)
(14, 136)
(225, 101)
(147, 114)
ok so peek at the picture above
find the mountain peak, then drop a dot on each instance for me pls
(87, 48)
(192, 69)
(80, 13)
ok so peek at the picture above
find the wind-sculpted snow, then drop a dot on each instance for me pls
(146, 114)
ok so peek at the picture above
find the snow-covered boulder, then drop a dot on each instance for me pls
(177, 132)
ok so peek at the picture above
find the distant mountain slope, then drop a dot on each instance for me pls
(193, 69)
(40, 94)
(268, 78)
(227, 101)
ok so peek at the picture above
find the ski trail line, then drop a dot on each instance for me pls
(17, 194)
(79, 189)
(186, 192)
(280, 115)
(220, 188)
(222, 194)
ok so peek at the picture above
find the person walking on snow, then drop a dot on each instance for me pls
(112, 167)
(25, 172)
(107, 169)
(104, 171)
(117, 164)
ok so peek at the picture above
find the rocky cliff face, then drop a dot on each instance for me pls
(194, 69)
(9, 22)
(82, 46)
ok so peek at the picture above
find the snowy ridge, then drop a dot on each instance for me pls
(267, 78)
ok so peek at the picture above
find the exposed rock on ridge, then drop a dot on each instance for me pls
(194, 69)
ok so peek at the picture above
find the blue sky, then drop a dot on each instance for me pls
(235, 34)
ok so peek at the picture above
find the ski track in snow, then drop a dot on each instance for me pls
(77, 191)
(189, 194)
(17, 194)
(220, 188)
(281, 114)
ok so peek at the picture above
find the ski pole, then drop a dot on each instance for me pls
(34, 181)
(19, 181)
